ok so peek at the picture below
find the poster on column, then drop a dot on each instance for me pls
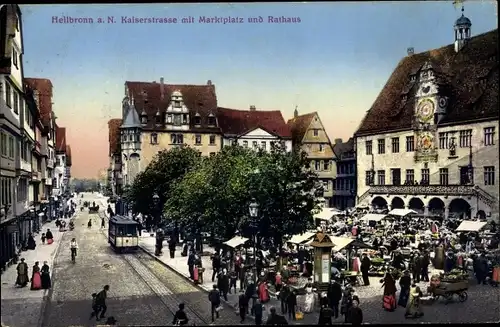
(325, 267)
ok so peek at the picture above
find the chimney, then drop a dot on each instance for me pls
(162, 90)
(252, 108)
(209, 82)
(338, 141)
(410, 51)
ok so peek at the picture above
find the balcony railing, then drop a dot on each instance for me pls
(423, 189)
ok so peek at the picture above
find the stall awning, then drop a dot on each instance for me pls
(236, 241)
(401, 212)
(301, 238)
(373, 217)
(341, 242)
(327, 213)
(471, 226)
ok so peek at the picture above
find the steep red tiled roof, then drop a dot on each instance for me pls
(239, 122)
(114, 135)
(68, 156)
(44, 88)
(200, 99)
(60, 139)
(469, 78)
(299, 125)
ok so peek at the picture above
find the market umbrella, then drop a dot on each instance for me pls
(360, 245)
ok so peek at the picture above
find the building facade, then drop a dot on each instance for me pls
(310, 136)
(60, 172)
(256, 129)
(159, 116)
(11, 89)
(115, 179)
(430, 140)
(345, 183)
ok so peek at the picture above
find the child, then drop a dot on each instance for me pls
(89, 225)
(95, 307)
(43, 238)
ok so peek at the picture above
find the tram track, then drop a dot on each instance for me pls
(172, 290)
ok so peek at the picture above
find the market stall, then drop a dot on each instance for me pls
(401, 212)
(471, 226)
(301, 238)
(236, 242)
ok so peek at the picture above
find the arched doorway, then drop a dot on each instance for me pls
(460, 208)
(397, 203)
(417, 205)
(436, 207)
(481, 215)
(379, 203)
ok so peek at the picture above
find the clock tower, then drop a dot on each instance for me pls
(429, 110)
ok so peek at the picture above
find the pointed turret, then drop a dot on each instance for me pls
(131, 118)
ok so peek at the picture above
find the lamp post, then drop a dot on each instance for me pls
(254, 213)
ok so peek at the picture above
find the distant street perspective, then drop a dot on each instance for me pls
(344, 171)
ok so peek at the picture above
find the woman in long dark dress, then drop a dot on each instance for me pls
(31, 242)
(36, 279)
(46, 282)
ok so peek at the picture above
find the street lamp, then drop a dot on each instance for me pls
(254, 213)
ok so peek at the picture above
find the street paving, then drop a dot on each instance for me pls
(130, 300)
(483, 304)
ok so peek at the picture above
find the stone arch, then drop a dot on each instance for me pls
(416, 204)
(436, 206)
(460, 208)
(379, 202)
(481, 215)
(397, 203)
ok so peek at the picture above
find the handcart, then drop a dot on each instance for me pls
(449, 289)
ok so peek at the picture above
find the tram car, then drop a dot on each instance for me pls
(123, 234)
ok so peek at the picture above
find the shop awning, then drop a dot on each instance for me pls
(471, 226)
(327, 213)
(301, 238)
(236, 241)
(340, 242)
(401, 212)
(373, 217)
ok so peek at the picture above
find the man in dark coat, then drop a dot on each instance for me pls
(214, 298)
(291, 304)
(275, 319)
(415, 266)
(223, 283)
(334, 295)
(171, 246)
(216, 262)
(283, 296)
(325, 316)
(365, 267)
(424, 266)
(191, 262)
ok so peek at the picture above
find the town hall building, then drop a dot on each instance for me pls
(430, 140)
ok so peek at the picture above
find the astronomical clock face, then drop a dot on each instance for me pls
(425, 110)
(426, 141)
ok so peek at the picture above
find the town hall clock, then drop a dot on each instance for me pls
(425, 110)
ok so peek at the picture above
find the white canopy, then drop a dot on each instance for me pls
(341, 242)
(236, 241)
(300, 238)
(373, 217)
(471, 226)
(401, 212)
(327, 213)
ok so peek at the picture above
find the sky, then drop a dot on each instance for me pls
(334, 61)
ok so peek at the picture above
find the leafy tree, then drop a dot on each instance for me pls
(286, 190)
(213, 197)
(164, 171)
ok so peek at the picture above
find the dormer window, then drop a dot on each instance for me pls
(404, 98)
(177, 119)
(413, 78)
(144, 118)
(14, 57)
(154, 138)
(177, 104)
(158, 118)
(211, 120)
(197, 119)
